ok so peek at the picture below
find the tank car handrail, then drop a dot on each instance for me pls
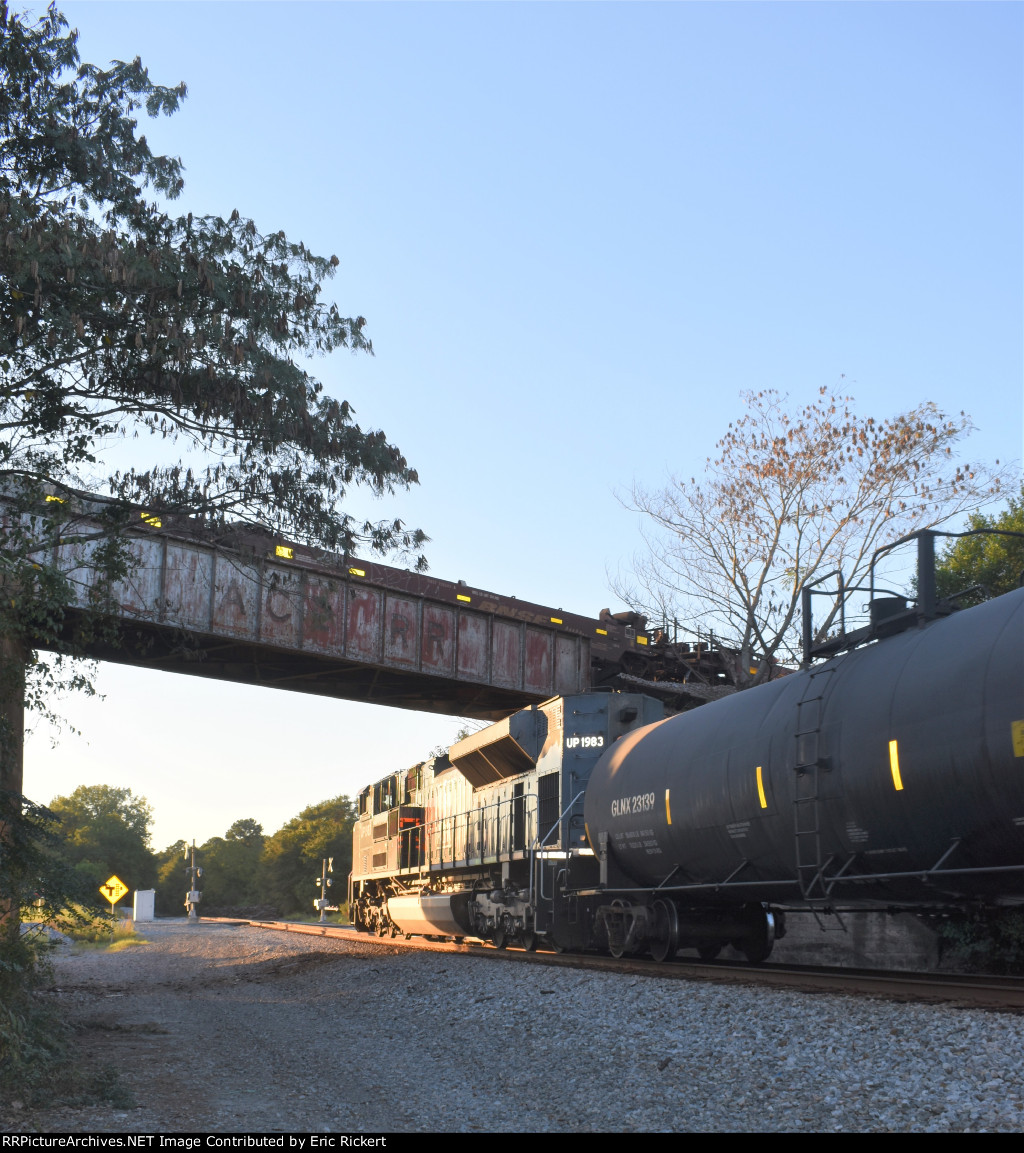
(924, 875)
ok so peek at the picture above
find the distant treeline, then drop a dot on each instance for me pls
(106, 830)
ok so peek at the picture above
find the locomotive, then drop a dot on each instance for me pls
(887, 773)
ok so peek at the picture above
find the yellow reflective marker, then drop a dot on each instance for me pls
(285, 551)
(55, 499)
(894, 765)
(601, 632)
(460, 597)
(154, 521)
(556, 620)
(641, 640)
(760, 789)
(1017, 732)
(357, 572)
(668, 808)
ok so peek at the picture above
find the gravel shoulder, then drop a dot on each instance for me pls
(218, 1028)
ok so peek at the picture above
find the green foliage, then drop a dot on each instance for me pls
(37, 879)
(292, 856)
(231, 866)
(996, 563)
(36, 875)
(32, 1043)
(120, 320)
(988, 942)
(106, 831)
(170, 880)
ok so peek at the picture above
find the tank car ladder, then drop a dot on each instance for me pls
(808, 766)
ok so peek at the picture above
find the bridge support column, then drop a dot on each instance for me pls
(12, 744)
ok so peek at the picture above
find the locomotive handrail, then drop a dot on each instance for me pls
(493, 830)
(538, 845)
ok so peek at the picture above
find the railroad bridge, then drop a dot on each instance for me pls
(246, 607)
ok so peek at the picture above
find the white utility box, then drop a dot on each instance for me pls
(144, 902)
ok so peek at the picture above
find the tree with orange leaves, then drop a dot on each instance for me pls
(787, 498)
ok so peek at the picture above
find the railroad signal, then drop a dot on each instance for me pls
(194, 872)
(324, 883)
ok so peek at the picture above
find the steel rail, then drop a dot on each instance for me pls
(956, 989)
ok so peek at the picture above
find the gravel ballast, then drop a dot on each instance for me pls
(216, 1028)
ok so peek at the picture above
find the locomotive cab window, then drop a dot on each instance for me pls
(384, 797)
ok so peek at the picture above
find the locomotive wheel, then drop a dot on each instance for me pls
(664, 939)
(528, 940)
(499, 938)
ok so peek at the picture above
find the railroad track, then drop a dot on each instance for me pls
(966, 990)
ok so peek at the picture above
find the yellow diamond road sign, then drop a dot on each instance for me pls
(114, 889)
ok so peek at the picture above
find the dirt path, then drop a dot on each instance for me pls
(213, 1028)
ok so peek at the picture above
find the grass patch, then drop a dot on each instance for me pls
(123, 936)
(128, 941)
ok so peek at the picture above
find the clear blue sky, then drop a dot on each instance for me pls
(577, 232)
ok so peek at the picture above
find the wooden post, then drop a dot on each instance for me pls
(12, 743)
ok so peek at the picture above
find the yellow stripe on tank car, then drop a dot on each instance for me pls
(760, 789)
(1017, 733)
(668, 809)
(894, 765)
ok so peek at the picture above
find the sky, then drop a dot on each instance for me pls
(578, 232)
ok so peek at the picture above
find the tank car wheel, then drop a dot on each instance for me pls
(616, 949)
(708, 952)
(756, 948)
(664, 939)
(756, 951)
(499, 938)
(528, 939)
(392, 930)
